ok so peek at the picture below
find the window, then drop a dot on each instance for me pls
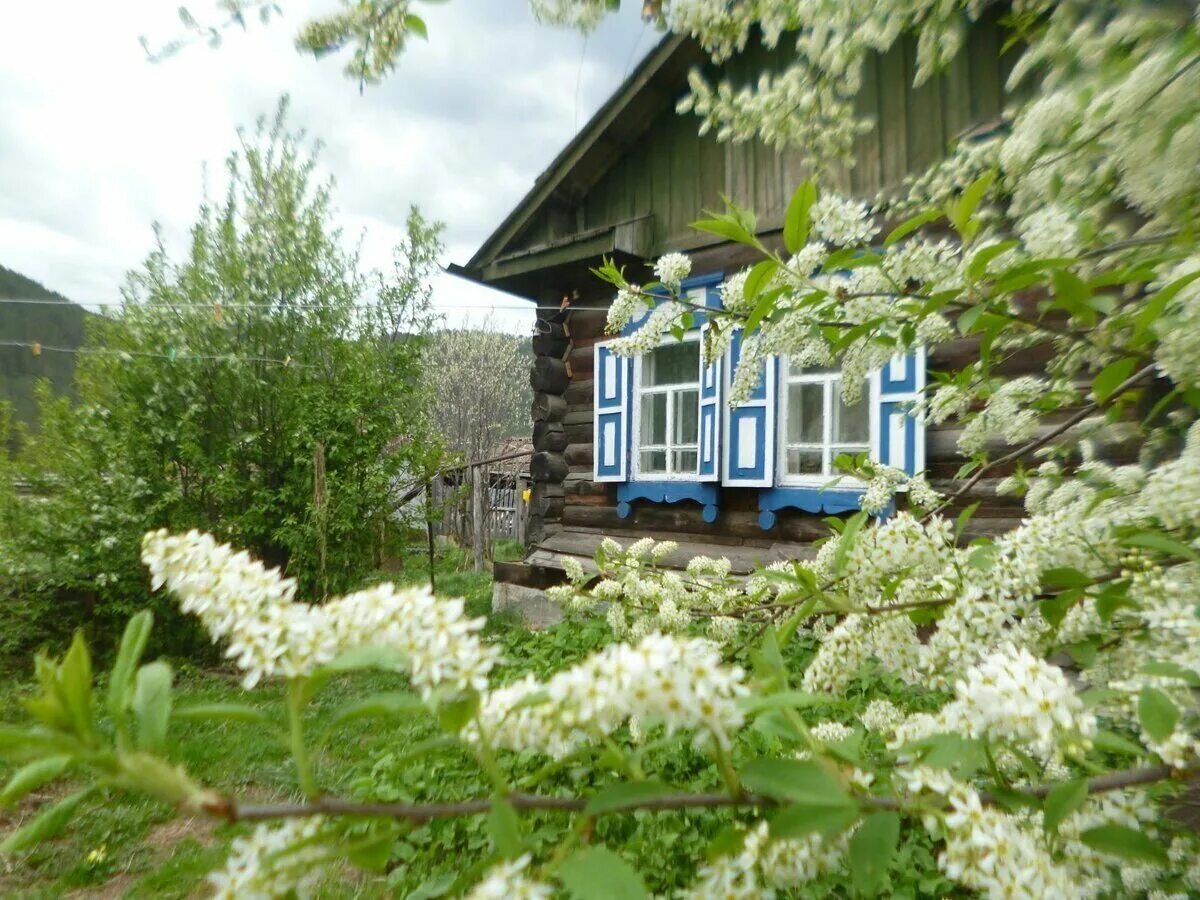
(817, 424)
(668, 410)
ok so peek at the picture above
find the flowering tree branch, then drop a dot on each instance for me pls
(418, 813)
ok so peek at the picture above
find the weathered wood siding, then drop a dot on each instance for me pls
(673, 173)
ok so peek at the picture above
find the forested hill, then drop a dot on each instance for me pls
(55, 324)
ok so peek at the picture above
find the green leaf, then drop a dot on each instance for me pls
(796, 221)
(221, 712)
(964, 518)
(727, 842)
(975, 192)
(48, 823)
(977, 268)
(768, 660)
(1112, 377)
(908, 226)
(33, 776)
(1157, 713)
(75, 678)
(599, 874)
(454, 715)
(1117, 743)
(848, 538)
(1156, 304)
(760, 276)
(762, 309)
(1166, 669)
(1070, 289)
(1153, 540)
(963, 756)
(871, 850)
(801, 819)
(416, 25)
(152, 705)
(1063, 800)
(728, 228)
(626, 794)
(795, 781)
(504, 826)
(781, 700)
(1065, 578)
(1125, 843)
(377, 706)
(133, 645)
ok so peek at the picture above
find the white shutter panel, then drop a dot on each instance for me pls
(708, 464)
(749, 429)
(611, 414)
(900, 437)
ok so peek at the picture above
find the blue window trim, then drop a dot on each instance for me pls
(830, 501)
(710, 280)
(707, 494)
(704, 493)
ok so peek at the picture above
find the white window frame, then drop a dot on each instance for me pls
(636, 420)
(827, 448)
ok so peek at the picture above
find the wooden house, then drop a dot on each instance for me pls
(650, 447)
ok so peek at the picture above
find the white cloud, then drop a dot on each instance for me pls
(97, 143)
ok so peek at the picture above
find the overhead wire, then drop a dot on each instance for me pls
(226, 306)
(38, 348)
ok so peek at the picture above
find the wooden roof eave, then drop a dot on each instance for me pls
(565, 263)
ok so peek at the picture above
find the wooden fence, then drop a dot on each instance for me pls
(482, 502)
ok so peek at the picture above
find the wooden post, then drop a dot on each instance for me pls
(479, 517)
(519, 512)
(429, 532)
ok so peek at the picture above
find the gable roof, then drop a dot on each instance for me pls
(652, 86)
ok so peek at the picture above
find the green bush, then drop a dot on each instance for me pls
(262, 387)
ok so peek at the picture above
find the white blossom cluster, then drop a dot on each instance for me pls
(1009, 414)
(672, 269)
(1011, 696)
(270, 634)
(999, 854)
(640, 597)
(510, 881)
(842, 222)
(583, 15)
(679, 683)
(765, 867)
(271, 863)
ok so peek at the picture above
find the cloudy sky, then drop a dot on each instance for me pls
(97, 143)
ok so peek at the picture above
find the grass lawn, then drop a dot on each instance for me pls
(126, 847)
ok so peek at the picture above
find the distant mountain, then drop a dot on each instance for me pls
(58, 323)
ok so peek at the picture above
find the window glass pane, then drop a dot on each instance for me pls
(673, 363)
(687, 415)
(653, 428)
(805, 413)
(804, 462)
(653, 461)
(851, 424)
(683, 461)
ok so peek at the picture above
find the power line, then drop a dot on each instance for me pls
(224, 306)
(39, 348)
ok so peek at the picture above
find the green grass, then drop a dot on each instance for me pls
(125, 846)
